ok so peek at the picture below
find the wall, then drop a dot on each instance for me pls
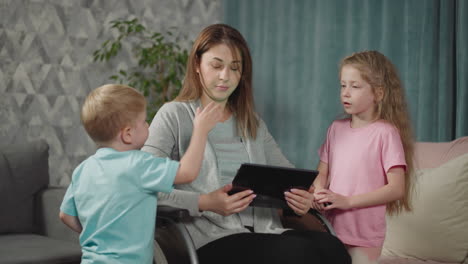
(46, 67)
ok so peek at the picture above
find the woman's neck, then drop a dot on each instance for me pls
(226, 112)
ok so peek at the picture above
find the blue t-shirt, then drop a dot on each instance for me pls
(114, 195)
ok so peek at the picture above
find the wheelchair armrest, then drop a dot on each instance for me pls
(173, 237)
(172, 213)
(313, 220)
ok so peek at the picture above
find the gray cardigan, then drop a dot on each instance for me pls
(169, 136)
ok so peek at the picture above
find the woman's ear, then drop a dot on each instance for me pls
(126, 135)
(197, 62)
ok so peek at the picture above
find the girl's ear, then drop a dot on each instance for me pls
(379, 94)
(126, 135)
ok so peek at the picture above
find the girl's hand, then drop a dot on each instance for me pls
(299, 200)
(208, 117)
(315, 204)
(222, 203)
(331, 200)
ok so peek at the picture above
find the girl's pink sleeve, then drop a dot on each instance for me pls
(324, 150)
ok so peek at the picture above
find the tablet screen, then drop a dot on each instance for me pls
(269, 181)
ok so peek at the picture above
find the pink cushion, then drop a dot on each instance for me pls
(432, 155)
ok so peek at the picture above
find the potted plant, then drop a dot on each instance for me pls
(161, 62)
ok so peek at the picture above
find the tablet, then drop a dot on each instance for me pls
(270, 182)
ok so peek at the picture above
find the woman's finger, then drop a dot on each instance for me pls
(298, 205)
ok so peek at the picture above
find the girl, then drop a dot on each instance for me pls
(366, 160)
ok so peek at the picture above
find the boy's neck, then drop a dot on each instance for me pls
(117, 145)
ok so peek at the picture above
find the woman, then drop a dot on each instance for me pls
(224, 229)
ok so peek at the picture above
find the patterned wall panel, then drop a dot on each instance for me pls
(46, 66)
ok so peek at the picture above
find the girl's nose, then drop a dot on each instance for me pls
(345, 91)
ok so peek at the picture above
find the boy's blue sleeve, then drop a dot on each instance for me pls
(68, 204)
(157, 174)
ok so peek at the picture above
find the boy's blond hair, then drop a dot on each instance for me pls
(109, 108)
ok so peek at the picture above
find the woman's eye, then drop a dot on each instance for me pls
(216, 65)
(234, 68)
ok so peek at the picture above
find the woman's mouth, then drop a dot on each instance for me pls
(221, 88)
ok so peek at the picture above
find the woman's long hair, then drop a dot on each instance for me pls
(380, 73)
(241, 102)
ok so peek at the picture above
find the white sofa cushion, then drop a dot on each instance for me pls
(437, 228)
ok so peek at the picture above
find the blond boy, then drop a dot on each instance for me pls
(112, 198)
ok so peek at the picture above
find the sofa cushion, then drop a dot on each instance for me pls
(399, 260)
(437, 228)
(24, 248)
(24, 171)
(433, 154)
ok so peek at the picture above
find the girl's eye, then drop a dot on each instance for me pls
(354, 86)
(234, 68)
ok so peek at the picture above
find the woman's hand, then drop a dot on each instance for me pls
(332, 200)
(222, 203)
(299, 201)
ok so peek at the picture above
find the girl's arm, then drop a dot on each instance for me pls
(71, 221)
(321, 181)
(393, 190)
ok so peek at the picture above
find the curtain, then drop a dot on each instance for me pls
(297, 45)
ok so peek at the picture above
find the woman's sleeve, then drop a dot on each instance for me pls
(163, 142)
(162, 136)
(273, 153)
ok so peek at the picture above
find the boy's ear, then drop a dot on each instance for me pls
(126, 135)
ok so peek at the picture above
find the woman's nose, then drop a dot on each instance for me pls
(224, 74)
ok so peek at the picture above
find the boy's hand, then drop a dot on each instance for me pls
(207, 118)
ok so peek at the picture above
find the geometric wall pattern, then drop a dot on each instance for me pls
(46, 66)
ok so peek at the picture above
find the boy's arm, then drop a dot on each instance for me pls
(190, 163)
(71, 221)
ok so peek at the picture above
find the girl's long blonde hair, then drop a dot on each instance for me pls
(381, 74)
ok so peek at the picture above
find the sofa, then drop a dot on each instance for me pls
(30, 229)
(436, 231)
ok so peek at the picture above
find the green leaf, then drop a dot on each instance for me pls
(160, 62)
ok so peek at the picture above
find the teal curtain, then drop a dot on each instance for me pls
(297, 45)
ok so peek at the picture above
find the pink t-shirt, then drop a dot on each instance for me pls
(358, 161)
